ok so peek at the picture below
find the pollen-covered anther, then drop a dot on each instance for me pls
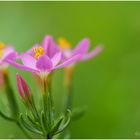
(38, 51)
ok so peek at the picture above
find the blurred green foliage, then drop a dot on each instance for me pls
(109, 85)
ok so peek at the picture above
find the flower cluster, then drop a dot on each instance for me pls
(48, 56)
(42, 60)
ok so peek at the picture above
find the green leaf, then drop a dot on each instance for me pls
(66, 123)
(33, 122)
(43, 123)
(11, 97)
(56, 126)
(50, 113)
(30, 119)
(27, 126)
(6, 117)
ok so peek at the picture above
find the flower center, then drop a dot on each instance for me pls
(38, 51)
(2, 46)
(64, 44)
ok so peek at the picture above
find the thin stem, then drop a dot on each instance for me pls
(68, 81)
(48, 103)
(69, 89)
(37, 116)
(48, 136)
(50, 95)
(10, 95)
(69, 98)
(45, 96)
(45, 102)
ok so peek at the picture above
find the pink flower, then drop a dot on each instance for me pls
(81, 48)
(6, 52)
(43, 58)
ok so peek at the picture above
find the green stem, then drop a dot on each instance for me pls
(68, 91)
(48, 136)
(48, 104)
(45, 103)
(50, 96)
(37, 117)
(11, 98)
(69, 98)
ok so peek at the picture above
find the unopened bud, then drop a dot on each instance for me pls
(23, 89)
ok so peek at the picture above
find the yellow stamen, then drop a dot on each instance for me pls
(2, 46)
(38, 51)
(64, 44)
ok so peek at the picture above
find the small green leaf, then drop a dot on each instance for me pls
(43, 123)
(27, 126)
(30, 119)
(33, 122)
(66, 123)
(56, 126)
(50, 113)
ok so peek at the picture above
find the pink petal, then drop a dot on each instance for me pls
(21, 67)
(49, 45)
(7, 51)
(56, 58)
(46, 41)
(93, 53)
(28, 60)
(69, 61)
(82, 47)
(44, 63)
(13, 55)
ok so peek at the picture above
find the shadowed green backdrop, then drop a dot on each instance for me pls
(109, 84)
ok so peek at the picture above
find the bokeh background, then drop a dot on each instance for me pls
(109, 85)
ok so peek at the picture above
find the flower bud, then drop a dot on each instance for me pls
(23, 89)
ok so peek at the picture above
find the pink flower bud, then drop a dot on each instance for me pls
(23, 88)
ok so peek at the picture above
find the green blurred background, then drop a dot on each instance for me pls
(109, 85)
